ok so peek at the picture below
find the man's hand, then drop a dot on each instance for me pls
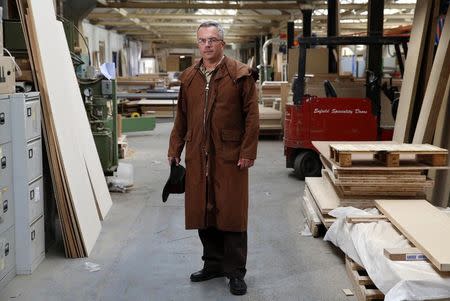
(245, 163)
(176, 159)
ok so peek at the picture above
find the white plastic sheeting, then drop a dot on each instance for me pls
(398, 280)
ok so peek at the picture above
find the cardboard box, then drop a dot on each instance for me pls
(7, 75)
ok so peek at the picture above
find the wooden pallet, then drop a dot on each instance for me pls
(362, 284)
(389, 154)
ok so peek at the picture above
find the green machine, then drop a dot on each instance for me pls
(100, 102)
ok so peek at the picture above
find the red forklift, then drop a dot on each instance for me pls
(332, 118)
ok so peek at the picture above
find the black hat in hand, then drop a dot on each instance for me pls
(175, 183)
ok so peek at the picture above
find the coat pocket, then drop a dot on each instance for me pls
(231, 144)
(189, 146)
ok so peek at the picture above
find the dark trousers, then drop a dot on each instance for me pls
(224, 251)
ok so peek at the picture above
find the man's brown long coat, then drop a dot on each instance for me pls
(229, 132)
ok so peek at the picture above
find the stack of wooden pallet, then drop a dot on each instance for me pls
(357, 173)
(271, 117)
(385, 174)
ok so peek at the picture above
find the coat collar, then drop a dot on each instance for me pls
(228, 66)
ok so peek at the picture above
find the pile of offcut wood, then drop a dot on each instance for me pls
(81, 193)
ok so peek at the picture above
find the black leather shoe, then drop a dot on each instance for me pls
(204, 275)
(238, 286)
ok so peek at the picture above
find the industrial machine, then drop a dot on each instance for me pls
(331, 118)
(100, 101)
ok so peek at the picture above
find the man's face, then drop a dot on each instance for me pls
(210, 44)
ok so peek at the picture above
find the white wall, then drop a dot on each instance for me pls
(95, 34)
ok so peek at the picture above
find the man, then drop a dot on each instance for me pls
(218, 122)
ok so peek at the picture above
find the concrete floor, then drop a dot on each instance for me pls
(145, 253)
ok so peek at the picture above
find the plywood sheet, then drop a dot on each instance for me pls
(435, 91)
(424, 225)
(323, 193)
(52, 44)
(57, 171)
(89, 150)
(72, 92)
(412, 69)
(441, 193)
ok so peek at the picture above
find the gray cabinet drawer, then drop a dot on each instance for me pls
(5, 121)
(7, 250)
(35, 200)
(34, 159)
(5, 164)
(6, 209)
(32, 119)
(37, 236)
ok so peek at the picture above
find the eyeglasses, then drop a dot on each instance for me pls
(202, 41)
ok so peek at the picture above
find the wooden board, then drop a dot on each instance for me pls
(365, 219)
(312, 219)
(72, 244)
(404, 254)
(72, 94)
(327, 220)
(52, 44)
(435, 90)
(412, 70)
(441, 192)
(424, 225)
(323, 193)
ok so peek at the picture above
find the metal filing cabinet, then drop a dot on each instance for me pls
(7, 246)
(28, 191)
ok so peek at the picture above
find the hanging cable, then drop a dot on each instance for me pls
(62, 19)
(19, 71)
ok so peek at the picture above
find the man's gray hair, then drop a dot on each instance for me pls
(212, 24)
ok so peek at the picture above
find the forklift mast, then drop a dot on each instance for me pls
(306, 42)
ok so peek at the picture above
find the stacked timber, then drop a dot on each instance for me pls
(160, 108)
(356, 174)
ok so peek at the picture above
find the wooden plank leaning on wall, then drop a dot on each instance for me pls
(412, 70)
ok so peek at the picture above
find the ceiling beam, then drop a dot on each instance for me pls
(227, 34)
(182, 25)
(199, 5)
(95, 16)
(241, 5)
(189, 17)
